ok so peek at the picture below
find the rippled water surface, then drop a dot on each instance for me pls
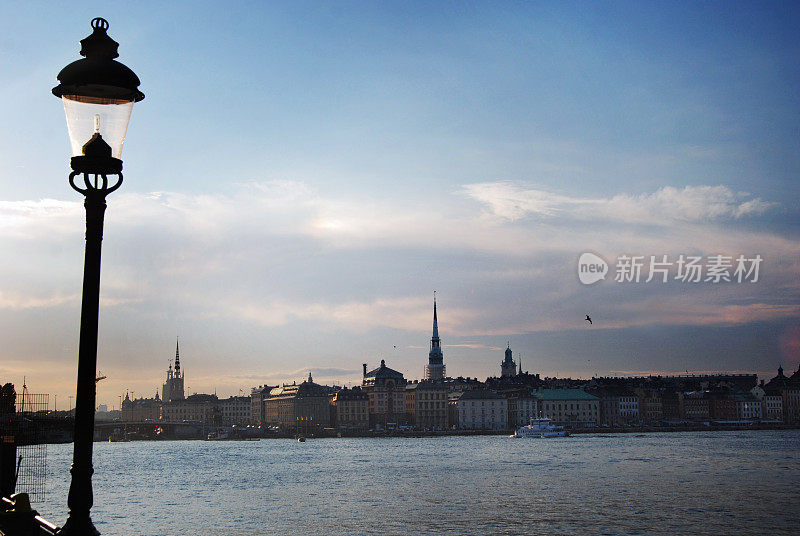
(680, 483)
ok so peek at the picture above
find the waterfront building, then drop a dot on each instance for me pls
(482, 409)
(300, 408)
(386, 389)
(651, 405)
(791, 398)
(696, 406)
(508, 367)
(721, 404)
(521, 408)
(411, 400)
(672, 405)
(350, 409)
(452, 409)
(748, 407)
(772, 404)
(618, 406)
(435, 369)
(257, 397)
(196, 408)
(772, 397)
(173, 387)
(426, 404)
(236, 410)
(575, 407)
(140, 409)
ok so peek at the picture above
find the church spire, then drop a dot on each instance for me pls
(435, 322)
(435, 369)
(177, 357)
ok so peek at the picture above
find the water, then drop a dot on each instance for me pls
(654, 484)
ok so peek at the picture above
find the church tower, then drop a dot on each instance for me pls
(508, 368)
(435, 369)
(173, 388)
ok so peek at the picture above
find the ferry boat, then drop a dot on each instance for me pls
(541, 427)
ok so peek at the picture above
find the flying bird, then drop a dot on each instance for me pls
(588, 319)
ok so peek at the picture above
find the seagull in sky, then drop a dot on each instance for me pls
(588, 319)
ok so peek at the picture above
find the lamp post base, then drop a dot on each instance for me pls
(78, 527)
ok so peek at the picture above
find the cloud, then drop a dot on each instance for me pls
(511, 201)
(407, 313)
(474, 346)
(250, 269)
(17, 301)
(50, 215)
(300, 373)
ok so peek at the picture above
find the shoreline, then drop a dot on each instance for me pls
(333, 434)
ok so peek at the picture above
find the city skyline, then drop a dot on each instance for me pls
(303, 176)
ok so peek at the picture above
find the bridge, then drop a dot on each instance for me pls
(103, 430)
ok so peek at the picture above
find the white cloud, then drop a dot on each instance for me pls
(510, 201)
(276, 257)
(22, 219)
(17, 301)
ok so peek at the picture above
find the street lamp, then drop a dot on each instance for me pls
(98, 94)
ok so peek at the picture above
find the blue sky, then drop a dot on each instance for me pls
(301, 176)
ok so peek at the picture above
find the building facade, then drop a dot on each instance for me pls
(791, 398)
(350, 409)
(651, 407)
(482, 409)
(618, 407)
(196, 409)
(386, 389)
(575, 407)
(696, 406)
(302, 408)
(521, 409)
(426, 404)
(257, 397)
(236, 410)
(772, 397)
(748, 407)
(141, 409)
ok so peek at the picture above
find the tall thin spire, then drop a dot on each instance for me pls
(177, 356)
(435, 322)
(435, 369)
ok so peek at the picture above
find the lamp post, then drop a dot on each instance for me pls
(98, 94)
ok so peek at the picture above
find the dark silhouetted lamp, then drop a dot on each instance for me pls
(98, 95)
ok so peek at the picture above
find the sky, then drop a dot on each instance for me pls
(302, 176)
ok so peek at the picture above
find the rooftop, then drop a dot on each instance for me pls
(563, 394)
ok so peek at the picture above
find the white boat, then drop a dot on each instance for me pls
(541, 427)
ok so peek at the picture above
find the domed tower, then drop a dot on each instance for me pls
(508, 368)
(435, 369)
